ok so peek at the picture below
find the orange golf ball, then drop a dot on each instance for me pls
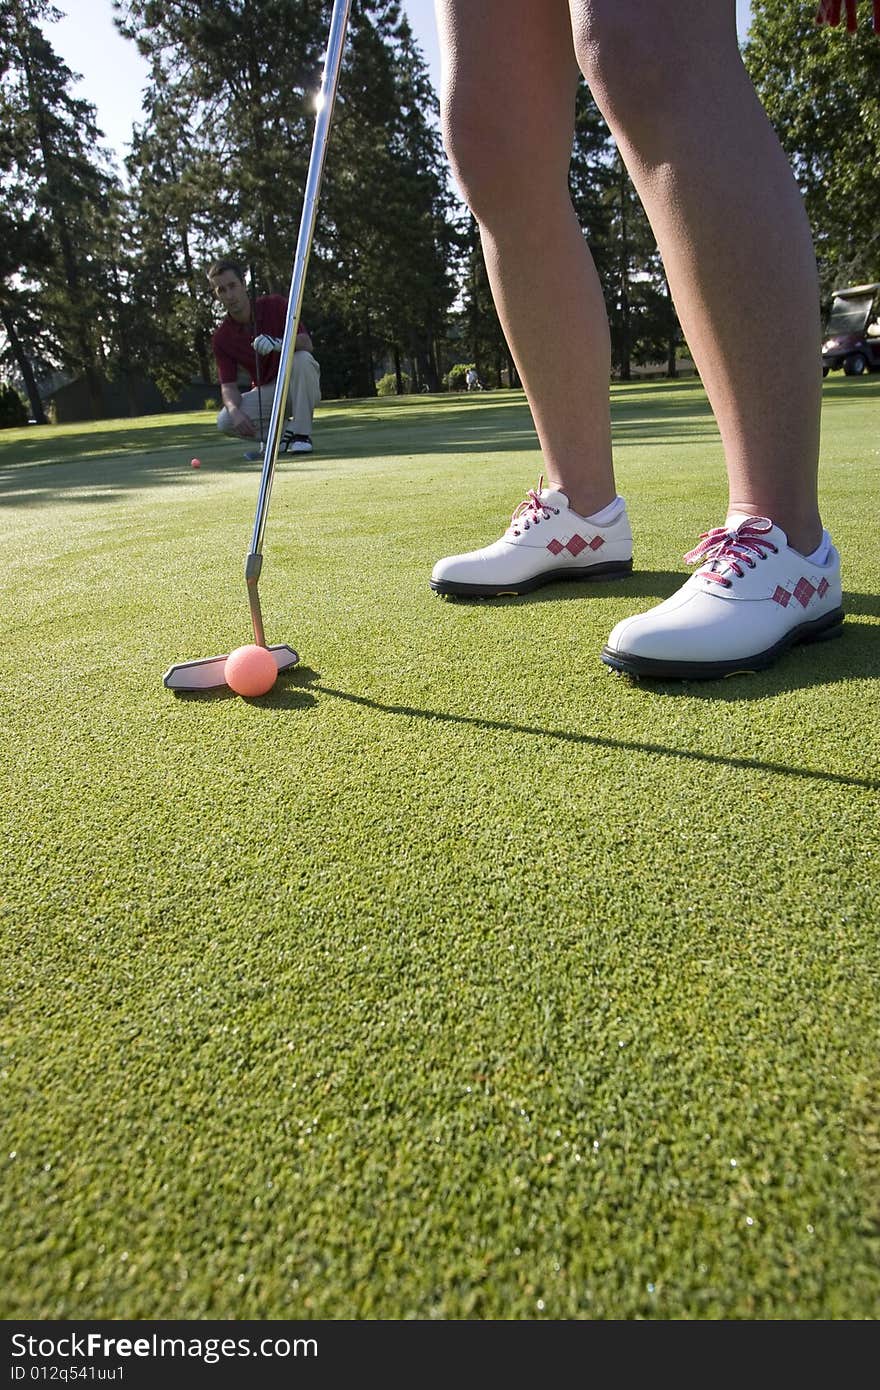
(250, 670)
(196, 463)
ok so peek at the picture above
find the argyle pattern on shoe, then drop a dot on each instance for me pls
(751, 598)
(545, 541)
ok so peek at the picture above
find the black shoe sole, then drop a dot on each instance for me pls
(613, 570)
(821, 630)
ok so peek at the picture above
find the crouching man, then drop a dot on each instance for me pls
(249, 336)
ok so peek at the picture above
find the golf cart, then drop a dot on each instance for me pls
(852, 333)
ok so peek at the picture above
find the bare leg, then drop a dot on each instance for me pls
(509, 81)
(732, 231)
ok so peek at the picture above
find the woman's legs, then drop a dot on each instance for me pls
(736, 246)
(732, 231)
(508, 90)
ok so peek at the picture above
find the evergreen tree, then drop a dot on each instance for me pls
(478, 335)
(238, 81)
(821, 89)
(643, 323)
(167, 243)
(24, 251)
(12, 411)
(62, 194)
(590, 179)
(385, 265)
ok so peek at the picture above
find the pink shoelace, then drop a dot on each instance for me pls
(531, 510)
(830, 12)
(732, 548)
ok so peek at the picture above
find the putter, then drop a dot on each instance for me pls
(253, 454)
(208, 674)
(256, 453)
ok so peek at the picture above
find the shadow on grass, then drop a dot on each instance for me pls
(302, 684)
(655, 412)
(96, 463)
(652, 584)
(95, 442)
(848, 388)
(106, 479)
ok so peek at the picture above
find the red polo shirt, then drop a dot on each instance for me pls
(232, 341)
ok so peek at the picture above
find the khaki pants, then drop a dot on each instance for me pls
(305, 393)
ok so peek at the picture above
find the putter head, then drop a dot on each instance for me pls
(208, 673)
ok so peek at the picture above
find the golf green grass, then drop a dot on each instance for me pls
(456, 978)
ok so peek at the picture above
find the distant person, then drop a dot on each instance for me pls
(473, 380)
(731, 227)
(250, 337)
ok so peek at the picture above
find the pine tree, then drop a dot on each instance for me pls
(479, 336)
(63, 193)
(821, 89)
(239, 81)
(383, 256)
(24, 251)
(644, 325)
(168, 241)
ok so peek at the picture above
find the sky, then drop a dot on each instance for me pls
(113, 74)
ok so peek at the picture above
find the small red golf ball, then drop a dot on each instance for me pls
(196, 463)
(250, 670)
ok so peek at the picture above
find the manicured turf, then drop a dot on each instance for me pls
(456, 978)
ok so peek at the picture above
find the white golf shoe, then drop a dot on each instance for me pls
(752, 597)
(295, 443)
(546, 541)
